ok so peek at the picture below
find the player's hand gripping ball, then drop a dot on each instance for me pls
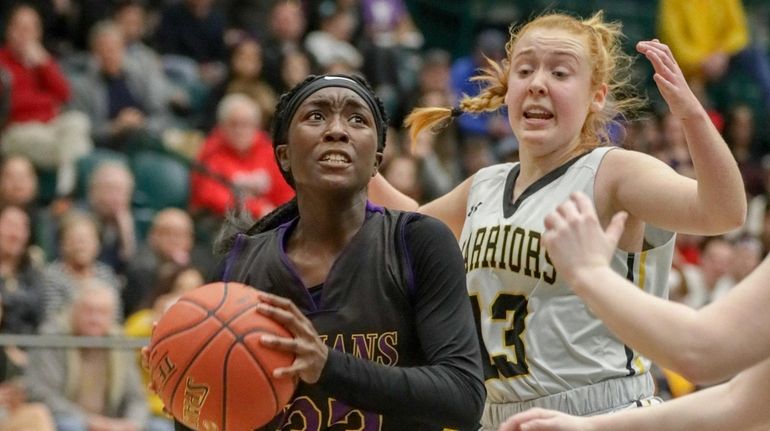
(208, 365)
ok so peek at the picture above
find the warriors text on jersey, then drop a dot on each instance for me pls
(540, 338)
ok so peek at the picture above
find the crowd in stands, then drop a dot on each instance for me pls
(128, 129)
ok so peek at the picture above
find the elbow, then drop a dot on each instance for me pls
(468, 413)
(694, 361)
(730, 218)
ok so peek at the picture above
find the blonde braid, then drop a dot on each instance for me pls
(491, 98)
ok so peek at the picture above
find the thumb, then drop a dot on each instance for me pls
(615, 228)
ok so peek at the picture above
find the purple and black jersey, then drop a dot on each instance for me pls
(394, 311)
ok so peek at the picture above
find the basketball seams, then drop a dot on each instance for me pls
(224, 325)
(229, 313)
(250, 354)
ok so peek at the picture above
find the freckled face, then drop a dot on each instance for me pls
(332, 142)
(549, 90)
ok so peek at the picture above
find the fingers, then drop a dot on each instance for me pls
(520, 421)
(292, 319)
(615, 229)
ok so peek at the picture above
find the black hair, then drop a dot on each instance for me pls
(238, 220)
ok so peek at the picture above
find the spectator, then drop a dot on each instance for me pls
(170, 243)
(489, 127)
(88, 389)
(239, 153)
(245, 77)
(37, 127)
(110, 189)
(173, 283)
(131, 17)
(740, 135)
(287, 27)
(125, 103)
(78, 250)
(295, 68)
(20, 415)
(20, 277)
(331, 46)
(194, 29)
(18, 182)
(710, 38)
(701, 280)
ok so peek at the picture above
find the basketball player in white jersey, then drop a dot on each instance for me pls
(680, 338)
(562, 85)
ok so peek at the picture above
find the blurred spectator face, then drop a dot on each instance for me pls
(435, 71)
(110, 190)
(131, 21)
(14, 232)
(93, 314)
(295, 68)
(288, 23)
(673, 133)
(716, 258)
(18, 182)
(340, 25)
(741, 132)
(247, 60)
(108, 48)
(240, 124)
(79, 243)
(23, 28)
(747, 254)
(171, 236)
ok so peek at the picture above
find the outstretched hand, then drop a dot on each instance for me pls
(670, 79)
(310, 352)
(544, 420)
(575, 240)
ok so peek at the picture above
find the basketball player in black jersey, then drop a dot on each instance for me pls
(375, 299)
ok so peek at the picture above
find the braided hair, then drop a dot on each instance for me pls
(238, 220)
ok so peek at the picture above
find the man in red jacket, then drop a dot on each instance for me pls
(36, 126)
(238, 152)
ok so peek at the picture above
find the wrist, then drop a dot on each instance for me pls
(584, 278)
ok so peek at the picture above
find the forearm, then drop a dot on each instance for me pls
(418, 392)
(382, 193)
(721, 197)
(740, 404)
(672, 334)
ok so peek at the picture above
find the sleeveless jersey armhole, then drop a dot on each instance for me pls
(232, 255)
(405, 258)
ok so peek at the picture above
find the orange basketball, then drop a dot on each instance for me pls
(208, 365)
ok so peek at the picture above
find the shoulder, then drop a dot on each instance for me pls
(621, 163)
(493, 173)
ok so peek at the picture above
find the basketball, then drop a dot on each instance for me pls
(208, 365)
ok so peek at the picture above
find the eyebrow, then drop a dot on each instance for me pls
(558, 53)
(345, 101)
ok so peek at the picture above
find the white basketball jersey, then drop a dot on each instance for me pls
(540, 338)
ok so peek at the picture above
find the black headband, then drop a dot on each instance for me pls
(324, 81)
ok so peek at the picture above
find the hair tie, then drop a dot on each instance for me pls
(457, 111)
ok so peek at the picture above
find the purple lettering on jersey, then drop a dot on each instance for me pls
(352, 419)
(387, 347)
(302, 414)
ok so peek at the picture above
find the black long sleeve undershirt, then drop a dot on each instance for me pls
(448, 391)
(452, 381)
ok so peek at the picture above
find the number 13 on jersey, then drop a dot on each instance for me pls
(504, 355)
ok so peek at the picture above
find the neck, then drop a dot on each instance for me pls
(329, 220)
(78, 270)
(535, 166)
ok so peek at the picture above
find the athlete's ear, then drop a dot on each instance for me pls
(282, 155)
(600, 98)
(377, 163)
